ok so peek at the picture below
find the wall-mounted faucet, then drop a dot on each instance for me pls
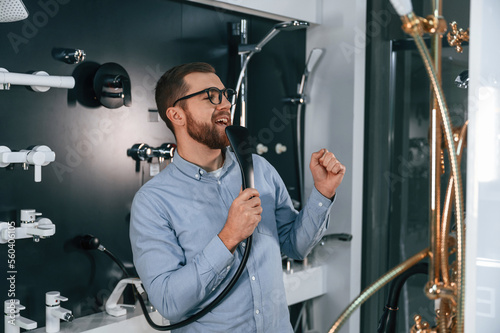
(69, 56)
(54, 313)
(38, 156)
(13, 320)
(143, 152)
(31, 227)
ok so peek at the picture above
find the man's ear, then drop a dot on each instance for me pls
(176, 116)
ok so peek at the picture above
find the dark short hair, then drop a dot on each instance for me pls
(171, 86)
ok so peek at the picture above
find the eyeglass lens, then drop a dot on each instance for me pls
(215, 95)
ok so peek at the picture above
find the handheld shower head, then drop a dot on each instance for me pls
(314, 56)
(12, 10)
(312, 60)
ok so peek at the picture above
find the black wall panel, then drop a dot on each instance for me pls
(90, 186)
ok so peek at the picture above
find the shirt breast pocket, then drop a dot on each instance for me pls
(267, 225)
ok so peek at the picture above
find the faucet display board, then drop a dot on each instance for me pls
(89, 185)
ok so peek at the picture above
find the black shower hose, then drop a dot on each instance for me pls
(209, 307)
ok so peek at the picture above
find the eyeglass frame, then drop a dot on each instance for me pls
(222, 92)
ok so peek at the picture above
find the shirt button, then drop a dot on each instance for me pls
(218, 182)
(253, 278)
(243, 244)
(320, 204)
(228, 267)
(213, 289)
(197, 176)
(257, 311)
(201, 172)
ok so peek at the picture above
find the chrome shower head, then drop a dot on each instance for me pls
(283, 26)
(12, 10)
(291, 25)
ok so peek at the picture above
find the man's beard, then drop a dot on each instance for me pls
(207, 134)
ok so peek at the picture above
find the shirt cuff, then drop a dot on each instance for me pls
(218, 256)
(319, 200)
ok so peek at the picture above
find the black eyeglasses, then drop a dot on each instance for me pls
(213, 94)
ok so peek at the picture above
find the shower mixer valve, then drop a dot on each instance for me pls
(31, 227)
(38, 156)
(143, 152)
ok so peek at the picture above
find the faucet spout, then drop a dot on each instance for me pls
(26, 323)
(63, 314)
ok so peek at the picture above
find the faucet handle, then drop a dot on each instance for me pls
(53, 298)
(40, 156)
(13, 306)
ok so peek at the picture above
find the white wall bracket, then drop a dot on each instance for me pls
(38, 81)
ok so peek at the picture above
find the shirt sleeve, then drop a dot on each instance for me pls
(300, 231)
(175, 287)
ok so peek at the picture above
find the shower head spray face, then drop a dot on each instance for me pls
(12, 10)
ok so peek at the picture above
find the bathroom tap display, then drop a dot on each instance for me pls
(13, 320)
(38, 156)
(143, 152)
(54, 313)
(30, 227)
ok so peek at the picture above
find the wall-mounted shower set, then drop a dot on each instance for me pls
(246, 51)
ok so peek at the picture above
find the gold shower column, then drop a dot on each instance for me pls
(436, 158)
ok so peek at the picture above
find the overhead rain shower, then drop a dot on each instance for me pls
(246, 51)
(12, 11)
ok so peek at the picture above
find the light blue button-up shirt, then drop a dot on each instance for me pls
(183, 264)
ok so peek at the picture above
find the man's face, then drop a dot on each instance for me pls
(206, 122)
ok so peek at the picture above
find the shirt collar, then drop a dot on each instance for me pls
(195, 172)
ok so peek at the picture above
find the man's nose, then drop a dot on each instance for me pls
(225, 104)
